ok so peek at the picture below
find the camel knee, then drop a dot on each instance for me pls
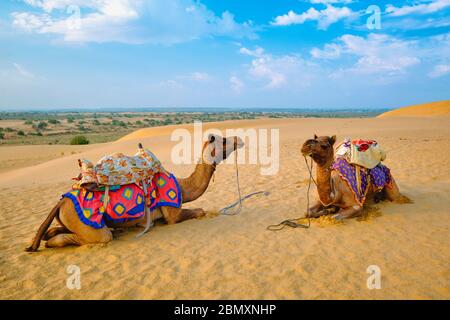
(62, 240)
(199, 212)
(348, 213)
(171, 220)
(54, 232)
(108, 237)
(314, 210)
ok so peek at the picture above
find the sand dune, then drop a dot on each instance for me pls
(167, 130)
(235, 257)
(15, 157)
(433, 109)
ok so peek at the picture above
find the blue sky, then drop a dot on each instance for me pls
(233, 53)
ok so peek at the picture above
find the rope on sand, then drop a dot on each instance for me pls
(227, 210)
(294, 223)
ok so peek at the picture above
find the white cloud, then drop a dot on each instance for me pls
(330, 51)
(264, 68)
(324, 17)
(409, 23)
(196, 76)
(439, 71)
(130, 21)
(236, 84)
(258, 52)
(170, 84)
(30, 22)
(277, 71)
(23, 71)
(200, 76)
(377, 53)
(421, 8)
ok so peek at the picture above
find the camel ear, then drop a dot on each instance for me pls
(315, 136)
(79, 163)
(211, 138)
(332, 139)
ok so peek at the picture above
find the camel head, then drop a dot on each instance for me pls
(319, 148)
(218, 148)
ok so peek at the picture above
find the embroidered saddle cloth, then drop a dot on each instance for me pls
(365, 153)
(361, 180)
(125, 202)
(119, 169)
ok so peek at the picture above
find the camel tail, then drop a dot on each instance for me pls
(43, 228)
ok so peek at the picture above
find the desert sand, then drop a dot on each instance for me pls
(235, 257)
(432, 109)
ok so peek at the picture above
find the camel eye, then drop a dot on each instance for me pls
(323, 146)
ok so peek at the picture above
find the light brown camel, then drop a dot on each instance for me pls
(334, 193)
(74, 232)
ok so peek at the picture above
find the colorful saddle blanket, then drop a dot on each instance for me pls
(361, 179)
(119, 169)
(125, 202)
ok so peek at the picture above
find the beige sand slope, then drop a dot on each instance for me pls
(235, 256)
(433, 109)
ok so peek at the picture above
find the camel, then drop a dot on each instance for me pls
(72, 231)
(335, 196)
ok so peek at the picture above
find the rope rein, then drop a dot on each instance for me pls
(294, 223)
(228, 210)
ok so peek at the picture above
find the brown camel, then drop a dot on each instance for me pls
(334, 193)
(74, 232)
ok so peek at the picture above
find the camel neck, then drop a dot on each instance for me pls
(323, 178)
(196, 184)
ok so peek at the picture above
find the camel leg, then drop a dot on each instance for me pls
(314, 210)
(318, 214)
(324, 211)
(348, 213)
(175, 215)
(187, 214)
(91, 235)
(54, 231)
(81, 233)
(62, 240)
(393, 193)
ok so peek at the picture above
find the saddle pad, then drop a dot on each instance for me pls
(125, 202)
(366, 153)
(361, 179)
(119, 169)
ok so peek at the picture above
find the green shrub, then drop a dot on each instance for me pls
(79, 140)
(70, 119)
(42, 125)
(2, 135)
(53, 121)
(20, 133)
(29, 122)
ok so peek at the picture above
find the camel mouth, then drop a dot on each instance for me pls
(238, 143)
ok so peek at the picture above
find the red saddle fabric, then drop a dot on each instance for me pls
(125, 202)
